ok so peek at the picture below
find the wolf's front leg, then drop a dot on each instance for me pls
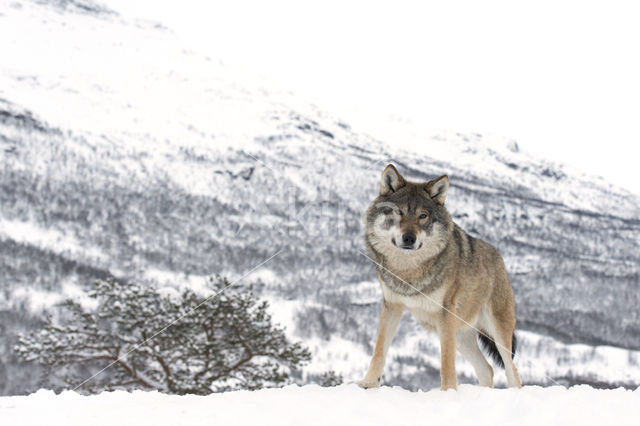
(389, 321)
(448, 352)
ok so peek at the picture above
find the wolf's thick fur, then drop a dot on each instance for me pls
(452, 283)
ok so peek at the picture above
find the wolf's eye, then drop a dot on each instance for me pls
(423, 216)
(400, 213)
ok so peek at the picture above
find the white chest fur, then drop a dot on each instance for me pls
(420, 304)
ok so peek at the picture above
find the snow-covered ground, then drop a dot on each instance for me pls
(342, 405)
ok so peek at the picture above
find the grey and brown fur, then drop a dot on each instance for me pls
(451, 283)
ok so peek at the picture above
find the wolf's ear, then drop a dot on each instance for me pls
(391, 180)
(437, 189)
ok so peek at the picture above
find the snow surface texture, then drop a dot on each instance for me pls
(342, 405)
(126, 154)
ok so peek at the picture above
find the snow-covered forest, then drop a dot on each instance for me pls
(126, 155)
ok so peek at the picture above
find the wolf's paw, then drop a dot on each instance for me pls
(368, 384)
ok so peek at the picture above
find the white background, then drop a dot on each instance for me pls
(561, 78)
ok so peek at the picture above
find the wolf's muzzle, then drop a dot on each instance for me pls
(408, 239)
(408, 242)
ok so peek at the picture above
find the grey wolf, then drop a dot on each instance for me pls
(451, 282)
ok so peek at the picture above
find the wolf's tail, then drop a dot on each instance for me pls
(489, 345)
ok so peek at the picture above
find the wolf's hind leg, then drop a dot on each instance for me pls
(504, 347)
(502, 334)
(468, 348)
(389, 321)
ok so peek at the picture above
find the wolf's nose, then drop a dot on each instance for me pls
(408, 239)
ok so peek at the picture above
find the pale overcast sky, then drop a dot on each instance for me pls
(560, 77)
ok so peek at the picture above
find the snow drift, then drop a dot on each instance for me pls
(346, 404)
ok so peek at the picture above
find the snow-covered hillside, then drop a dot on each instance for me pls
(125, 154)
(342, 405)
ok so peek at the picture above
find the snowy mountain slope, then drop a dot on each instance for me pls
(125, 154)
(346, 404)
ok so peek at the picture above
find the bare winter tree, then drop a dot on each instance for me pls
(214, 344)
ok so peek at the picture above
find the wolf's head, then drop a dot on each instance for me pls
(408, 220)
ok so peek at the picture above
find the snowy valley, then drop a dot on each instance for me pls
(125, 154)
